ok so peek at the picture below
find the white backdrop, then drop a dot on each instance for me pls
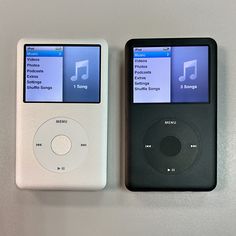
(115, 211)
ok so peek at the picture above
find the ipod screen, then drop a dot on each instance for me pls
(62, 73)
(176, 74)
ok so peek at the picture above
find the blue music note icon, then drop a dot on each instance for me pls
(186, 65)
(78, 65)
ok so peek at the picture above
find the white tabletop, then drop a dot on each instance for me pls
(116, 211)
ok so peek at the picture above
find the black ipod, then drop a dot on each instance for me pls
(171, 114)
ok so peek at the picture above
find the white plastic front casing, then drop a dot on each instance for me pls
(91, 172)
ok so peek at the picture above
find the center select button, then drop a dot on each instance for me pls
(61, 145)
(170, 146)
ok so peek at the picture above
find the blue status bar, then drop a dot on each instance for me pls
(152, 54)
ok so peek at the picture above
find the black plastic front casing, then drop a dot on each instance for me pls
(202, 175)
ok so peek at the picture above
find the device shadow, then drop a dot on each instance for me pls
(222, 127)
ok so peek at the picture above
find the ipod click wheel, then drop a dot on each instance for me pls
(61, 125)
(60, 145)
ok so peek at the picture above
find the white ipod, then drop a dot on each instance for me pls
(61, 114)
